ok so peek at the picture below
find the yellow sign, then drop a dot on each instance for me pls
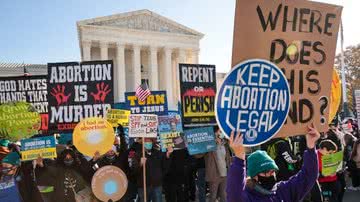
(93, 134)
(118, 116)
(335, 97)
(45, 153)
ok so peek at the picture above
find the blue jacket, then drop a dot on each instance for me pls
(293, 190)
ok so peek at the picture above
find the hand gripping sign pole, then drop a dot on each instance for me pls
(144, 168)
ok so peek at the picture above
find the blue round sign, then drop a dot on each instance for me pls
(253, 99)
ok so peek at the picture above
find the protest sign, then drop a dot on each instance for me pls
(156, 103)
(332, 163)
(18, 120)
(200, 140)
(42, 146)
(335, 97)
(93, 134)
(118, 116)
(77, 91)
(197, 90)
(357, 105)
(30, 89)
(170, 129)
(300, 38)
(109, 183)
(253, 99)
(143, 125)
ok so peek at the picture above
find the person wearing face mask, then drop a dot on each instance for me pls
(15, 183)
(261, 184)
(216, 166)
(156, 163)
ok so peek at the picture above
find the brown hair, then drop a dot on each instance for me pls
(354, 150)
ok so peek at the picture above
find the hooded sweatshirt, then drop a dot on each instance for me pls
(292, 190)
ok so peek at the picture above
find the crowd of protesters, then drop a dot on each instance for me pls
(287, 169)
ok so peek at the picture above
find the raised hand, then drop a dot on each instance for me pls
(237, 145)
(312, 136)
(59, 93)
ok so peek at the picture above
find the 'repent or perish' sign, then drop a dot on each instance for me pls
(300, 38)
(198, 91)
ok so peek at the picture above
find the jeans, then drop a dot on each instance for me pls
(201, 184)
(154, 194)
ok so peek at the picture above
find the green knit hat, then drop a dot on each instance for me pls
(12, 158)
(259, 162)
(4, 143)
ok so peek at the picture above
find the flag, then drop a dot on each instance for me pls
(142, 92)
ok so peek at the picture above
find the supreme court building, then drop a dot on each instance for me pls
(144, 46)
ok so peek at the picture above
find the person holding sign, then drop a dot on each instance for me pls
(262, 186)
(157, 164)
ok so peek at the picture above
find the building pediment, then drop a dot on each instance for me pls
(144, 20)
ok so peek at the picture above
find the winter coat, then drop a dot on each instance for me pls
(292, 190)
(211, 169)
(179, 168)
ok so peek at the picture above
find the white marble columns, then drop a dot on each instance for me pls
(154, 80)
(120, 76)
(128, 69)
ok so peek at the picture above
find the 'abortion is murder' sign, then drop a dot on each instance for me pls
(77, 91)
(299, 37)
(198, 90)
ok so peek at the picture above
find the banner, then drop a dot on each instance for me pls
(156, 103)
(143, 125)
(30, 89)
(109, 183)
(77, 91)
(332, 163)
(253, 99)
(18, 120)
(335, 98)
(200, 140)
(197, 90)
(92, 135)
(170, 131)
(118, 116)
(300, 38)
(42, 146)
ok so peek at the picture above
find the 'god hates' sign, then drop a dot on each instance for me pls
(253, 99)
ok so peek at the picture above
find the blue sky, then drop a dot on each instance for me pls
(41, 31)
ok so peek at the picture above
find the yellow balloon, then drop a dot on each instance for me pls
(335, 97)
(93, 134)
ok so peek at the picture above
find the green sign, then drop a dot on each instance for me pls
(18, 120)
(331, 163)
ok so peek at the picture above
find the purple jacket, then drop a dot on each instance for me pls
(293, 190)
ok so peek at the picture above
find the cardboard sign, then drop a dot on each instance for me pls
(253, 99)
(77, 91)
(156, 103)
(332, 163)
(109, 183)
(170, 129)
(18, 120)
(93, 134)
(335, 98)
(143, 125)
(300, 38)
(30, 89)
(118, 116)
(200, 140)
(198, 90)
(42, 146)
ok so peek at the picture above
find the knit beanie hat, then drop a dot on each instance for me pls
(4, 143)
(12, 158)
(259, 162)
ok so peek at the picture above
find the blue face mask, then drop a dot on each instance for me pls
(148, 145)
(221, 136)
